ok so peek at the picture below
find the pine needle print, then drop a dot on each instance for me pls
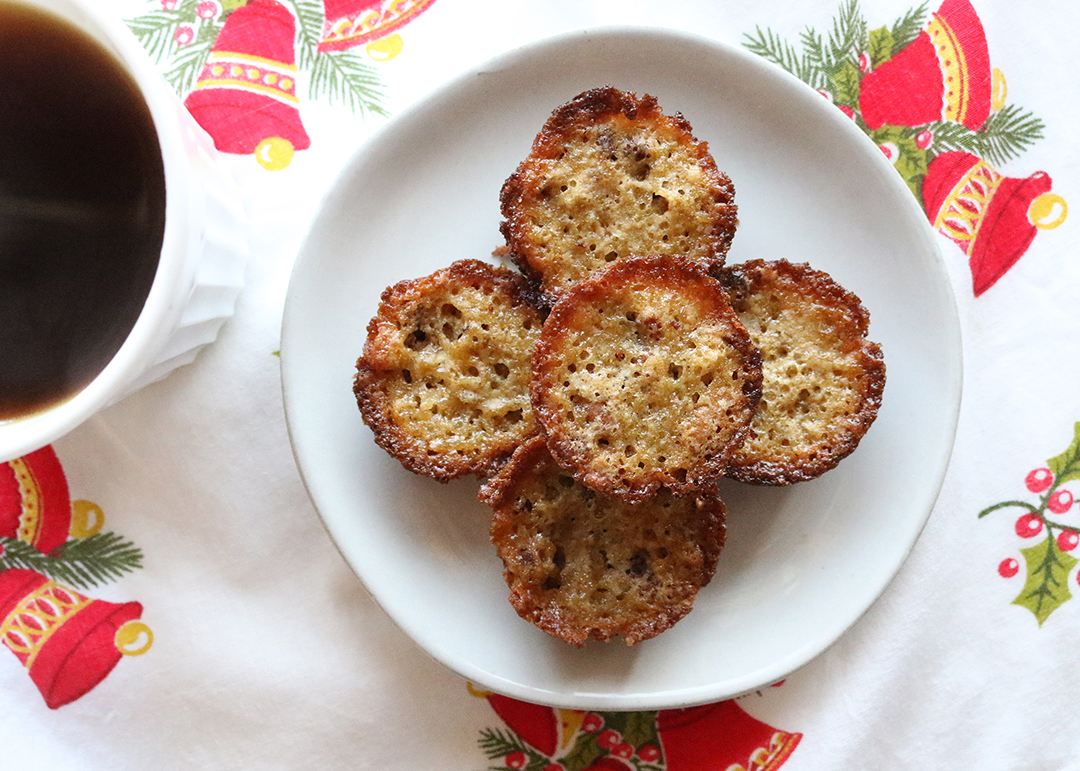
(81, 563)
(337, 77)
(837, 61)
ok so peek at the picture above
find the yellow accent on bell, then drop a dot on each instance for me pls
(247, 85)
(286, 83)
(231, 56)
(274, 153)
(999, 90)
(217, 70)
(17, 623)
(954, 66)
(478, 693)
(270, 79)
(961, 215)
(133, 638)
(253, 73)
(570, 721)
(87, 518)
(385, 48)
(1047, 211)
(30, 496)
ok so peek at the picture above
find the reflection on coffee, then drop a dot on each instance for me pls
(82, 208)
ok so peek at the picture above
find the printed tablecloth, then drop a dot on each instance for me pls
(169, 598)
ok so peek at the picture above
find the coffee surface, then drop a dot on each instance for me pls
(82, 208)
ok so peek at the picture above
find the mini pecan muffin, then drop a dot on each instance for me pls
(444, 377)
(643, 377)
(611, 175)
(823, 380)
(582, 565)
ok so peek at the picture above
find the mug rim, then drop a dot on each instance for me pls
(175, 274)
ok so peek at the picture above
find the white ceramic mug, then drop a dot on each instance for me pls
(204, 249)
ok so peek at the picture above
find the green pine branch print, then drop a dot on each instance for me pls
(511, 750)
(835, 62)
(907, 27)
(1005, 135)
(1048, 563)
(631, 737)
(848, 37)
(81, 563)
(338, 77)
(177, 38)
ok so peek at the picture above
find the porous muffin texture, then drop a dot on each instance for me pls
(644, 377)
(443, 381)
(823, 380)
(582, 565)
(611, 175)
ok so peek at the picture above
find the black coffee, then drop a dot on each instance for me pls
(82, 208)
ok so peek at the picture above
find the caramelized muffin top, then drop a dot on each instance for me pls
(443, 381)
(822, 379)
(611, 175)
(643, 377)
(582, 565)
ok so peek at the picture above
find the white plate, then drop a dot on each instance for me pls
(802, 563)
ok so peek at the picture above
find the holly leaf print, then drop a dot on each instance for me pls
(844, 81)
(1047, 586)
(1066, 466)
(911, 164)
(583, 754)
(640, 729)
(881, 45)
(911, 161)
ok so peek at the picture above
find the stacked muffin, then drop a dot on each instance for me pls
(601, 390)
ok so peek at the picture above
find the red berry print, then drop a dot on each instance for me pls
(1068, 540)
(1039, 480)
(592, 723)
(847, 111)
(864, 61)
(184, 35)
(208, 9)
(1029, 526)
(649, 753)
(1060, 502)
(608, 739)
(623, 750)
(1008, 568)
(516, 759)
(923, 139)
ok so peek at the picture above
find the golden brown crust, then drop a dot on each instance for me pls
(443, 379)
(823, 380)
(643, 377)
(582, 565)
(609, 175)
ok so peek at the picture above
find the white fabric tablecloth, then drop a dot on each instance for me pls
(268, 654)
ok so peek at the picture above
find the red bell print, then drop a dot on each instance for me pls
(944, 74)
(35, 505)
(993, 218)
(245, 97)
(721, 736)
(356, 22)
(68, 642)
